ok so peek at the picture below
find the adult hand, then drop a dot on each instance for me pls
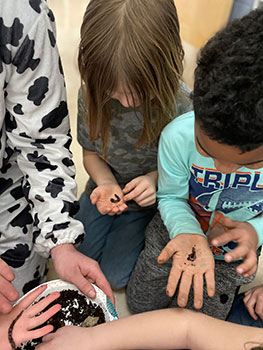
(8, 293)
(192, 262)
(27, 324)
(66, 338)
(75, 267)
(142, 190)
(109, 199)
(253, 301)
(247, 239)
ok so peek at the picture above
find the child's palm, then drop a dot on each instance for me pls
(192, 262)
(108, 199)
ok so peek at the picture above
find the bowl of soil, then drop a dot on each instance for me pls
(76, 308)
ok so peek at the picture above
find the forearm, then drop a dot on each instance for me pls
(97, 168)
(170, 329)
(151, 330)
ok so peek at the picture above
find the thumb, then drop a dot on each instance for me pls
(84, 285)
(94, 197)
(165, 254)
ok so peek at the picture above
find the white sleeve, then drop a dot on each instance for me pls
(37, 127)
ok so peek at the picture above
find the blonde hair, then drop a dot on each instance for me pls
(136, 44)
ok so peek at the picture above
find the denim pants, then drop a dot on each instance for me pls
(114, 241)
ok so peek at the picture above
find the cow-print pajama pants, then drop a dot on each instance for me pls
(16, 232)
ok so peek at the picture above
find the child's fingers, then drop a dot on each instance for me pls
(94, 198)
(184, 289)
(259, 306)
(151, 199)
(210, 283)
(173, 279)
(40, 332)
(130, 185)
(249, 266)
(38, 320)
(42, 304)
(198, 290)
(240, 252)
(30, 298)
(218, 239)
(250, 304)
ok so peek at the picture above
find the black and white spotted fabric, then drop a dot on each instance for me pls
(37, 187)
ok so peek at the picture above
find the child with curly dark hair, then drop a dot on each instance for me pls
(210, 188)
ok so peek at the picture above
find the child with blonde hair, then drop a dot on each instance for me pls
(131, 63)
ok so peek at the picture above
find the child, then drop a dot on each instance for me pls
(37, 187)
(23, 322)
(130, 62)
(162, 329)
(210, 175)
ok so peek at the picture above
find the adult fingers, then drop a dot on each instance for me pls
(8, 290)
(5, 305)
(102, 283)
(6, 271)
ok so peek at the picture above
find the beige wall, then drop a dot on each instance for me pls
(200, 19)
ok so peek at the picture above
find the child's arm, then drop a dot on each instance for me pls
(247, 239)
(192, 262)
(253, 301)
(163, 329)
(23, 322)
(108, 196)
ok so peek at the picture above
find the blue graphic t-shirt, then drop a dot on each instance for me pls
(194, 196)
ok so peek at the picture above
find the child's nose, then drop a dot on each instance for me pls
(225, 167)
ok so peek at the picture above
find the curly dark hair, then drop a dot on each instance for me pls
(228, 88)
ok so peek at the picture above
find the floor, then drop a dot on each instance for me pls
(69, 15)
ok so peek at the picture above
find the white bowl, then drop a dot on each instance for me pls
(101, 298)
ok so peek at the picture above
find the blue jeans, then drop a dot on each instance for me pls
(240, 315)
(114, 241)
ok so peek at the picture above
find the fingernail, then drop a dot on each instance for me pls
(91, 294)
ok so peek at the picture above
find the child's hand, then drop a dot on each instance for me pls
(24, 327)
(192, 261)
(247, 239)
(253, 301)
(68, 338)
(142, 190)
(8, 293)
(109, 199)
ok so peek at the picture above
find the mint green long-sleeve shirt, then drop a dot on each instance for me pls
(193, 195)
